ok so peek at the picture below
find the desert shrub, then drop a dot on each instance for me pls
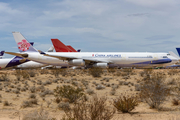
(32, 89)
(16, 91)
(69, 92)
(26, 104)
(146, 72)
(48, 103)
(96, 71)
(6, 103)
(100, 87)
(64, 106)
(21, 74)
(32, 96)
(154, 90)
(112, 92)
(176, 91)
(4, 77)
(56, 72)
(125, 103)
(44, 71)
(127, 71)
(173, 72)
(18, 75)
(31, 72)
(137, 87)
(95, 109)
(33, 101)
(112, 70)
(37, 115)
(25, 74)
(90, 91)
(58, 100)
(175, 101)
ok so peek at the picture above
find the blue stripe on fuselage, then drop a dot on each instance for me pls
(161, 61)
(15, 61)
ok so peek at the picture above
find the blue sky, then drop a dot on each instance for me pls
(93, 25)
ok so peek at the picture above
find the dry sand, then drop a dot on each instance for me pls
(142, 112)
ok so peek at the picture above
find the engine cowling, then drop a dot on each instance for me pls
(77, 62)
(102, 65)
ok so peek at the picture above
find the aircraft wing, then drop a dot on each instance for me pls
(61, 57)
(17, 54)
(87, 61)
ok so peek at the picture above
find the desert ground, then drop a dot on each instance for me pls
(18, 87)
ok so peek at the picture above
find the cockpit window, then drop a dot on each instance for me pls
(168, 54)
(165, 57)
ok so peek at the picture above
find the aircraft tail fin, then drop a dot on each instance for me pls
(51, 49)
(59, 46)
(71, 48)
(178, 50)
(22, 43)
(173, 54)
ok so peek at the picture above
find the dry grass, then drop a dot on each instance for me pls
(96, 109)
(126, 103)
(154, 90)
(69, 92)
(96, 71)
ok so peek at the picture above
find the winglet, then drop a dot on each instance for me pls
(79, 50)
(2, 53)
(32, 43)
(22, 43)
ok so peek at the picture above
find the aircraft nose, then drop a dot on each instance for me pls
(168, 60)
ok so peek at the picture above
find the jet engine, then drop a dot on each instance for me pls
(102, 65)
(77, 62)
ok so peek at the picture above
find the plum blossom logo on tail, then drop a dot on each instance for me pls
(23, 45)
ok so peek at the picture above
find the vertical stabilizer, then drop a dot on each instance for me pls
(59, 46)
(22, 43)
(178, 50)
(51, 49)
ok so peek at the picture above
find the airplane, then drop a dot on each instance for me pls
(15, 61)
(32, 64)
(59, 47)
(21, 63)
(89, 59)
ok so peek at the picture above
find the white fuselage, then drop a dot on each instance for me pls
(31, 64)
(122, 59)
